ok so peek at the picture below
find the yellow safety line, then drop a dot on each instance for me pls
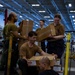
(9, 55)
(67, 54)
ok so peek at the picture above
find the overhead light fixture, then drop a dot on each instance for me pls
(20, 16)
(27, 19)
(35, 4)
(50, 20)
(46, 16)
(1, 5)
(42, 11)
(72, 16)
(70, 5)
(36, 25)
(72, 11)
(74, 23)
(73, 19)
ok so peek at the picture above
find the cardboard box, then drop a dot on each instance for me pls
(35, 60)
(44, 33)
(27, 27)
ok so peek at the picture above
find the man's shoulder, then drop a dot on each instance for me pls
(54, 72)
(49, 72)
(42, 73)
(61, 25)
(38, 29)
(5, 27)
(11, 25)
(45, 72)
(36, 46)
(24, 45)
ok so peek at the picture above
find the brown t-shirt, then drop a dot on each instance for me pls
(39, 29)
(59, 29)
(27, 51)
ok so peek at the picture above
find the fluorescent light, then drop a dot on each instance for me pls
(35, 5)
(72, 11)
(72, 16)
(46, 16)
(50, 20)
(74, 23)
(73, 19)
(27, 19)
(42, 11)
(70, 5)
(1, 5)
(36, 25)
(20, 16)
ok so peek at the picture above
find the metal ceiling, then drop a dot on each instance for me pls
(27, 11)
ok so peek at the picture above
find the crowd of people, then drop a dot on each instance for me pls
(55, 47)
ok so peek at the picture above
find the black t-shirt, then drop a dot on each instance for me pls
(49, 72)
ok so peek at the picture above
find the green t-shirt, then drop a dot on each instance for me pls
(9, 27)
